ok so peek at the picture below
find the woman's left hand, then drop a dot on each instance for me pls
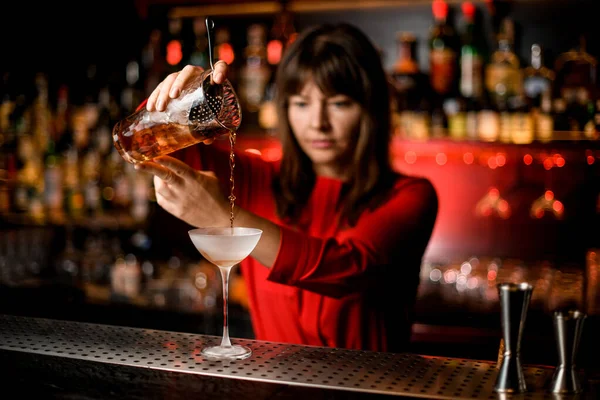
(192, 196)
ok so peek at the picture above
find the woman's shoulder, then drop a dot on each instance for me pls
(419, 186)
(405, 181)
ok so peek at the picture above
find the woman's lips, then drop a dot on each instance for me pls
(321, 144)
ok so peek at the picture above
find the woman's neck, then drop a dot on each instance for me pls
(332, 172)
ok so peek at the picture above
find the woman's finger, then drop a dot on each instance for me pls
(184, 76)
(165, 89)
(161, 188)
(151, 102)
(220, 72)
(180, 168)
(163, 173)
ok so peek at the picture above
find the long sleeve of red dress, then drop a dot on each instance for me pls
(333, 286)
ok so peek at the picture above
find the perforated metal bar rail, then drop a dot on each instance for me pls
(348, 370)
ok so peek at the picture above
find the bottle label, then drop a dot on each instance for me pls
(471, 79)
(442, 70)
(545, 127)
(488, 123)
(502, 79)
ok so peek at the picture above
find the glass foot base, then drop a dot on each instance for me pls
(235, 352)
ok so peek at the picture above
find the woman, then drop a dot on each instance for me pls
(343, 235)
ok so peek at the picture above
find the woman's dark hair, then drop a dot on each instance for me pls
(340, 59)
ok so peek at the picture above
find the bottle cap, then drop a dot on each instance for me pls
(440, 9)
(468, 10)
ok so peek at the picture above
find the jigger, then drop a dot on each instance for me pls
(514, 303)
(567, 329)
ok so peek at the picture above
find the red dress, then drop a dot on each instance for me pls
(348, 288)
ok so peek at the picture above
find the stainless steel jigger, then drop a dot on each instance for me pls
(568, 326)
(514, 303)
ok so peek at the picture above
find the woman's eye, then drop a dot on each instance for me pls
(299, 103)
(341, 103)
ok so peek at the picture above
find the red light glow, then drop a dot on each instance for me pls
(468, 158)
(558, 207)
(441, 158)
(274, 51)
(271, 154)
(410, 157)
(174, 53)
(501, 159)
(226, 53)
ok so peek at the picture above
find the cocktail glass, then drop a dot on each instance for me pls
(225, 247)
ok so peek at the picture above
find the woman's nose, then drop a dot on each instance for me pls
(319, 118)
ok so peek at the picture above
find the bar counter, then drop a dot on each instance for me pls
(51, 358)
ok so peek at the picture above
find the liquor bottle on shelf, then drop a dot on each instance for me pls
(597, 119)
(411, 119)
(537, 87)
(254, 74)
(174, 46)
(132, 93)
(443, 61)
(471, 56)
(471, 76)
(576, 86)
(443, 51)
(503, 79)
(225, 51)
(538, 82)
(152, 61)
(199, 53)
(282, 34)
(53, 180)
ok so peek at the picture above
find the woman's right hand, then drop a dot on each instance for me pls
(171, 86)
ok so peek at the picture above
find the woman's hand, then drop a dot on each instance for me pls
(192, 196)
(172, 85)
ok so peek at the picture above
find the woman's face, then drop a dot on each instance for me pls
(325, 128)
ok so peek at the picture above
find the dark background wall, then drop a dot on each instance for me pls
(63, 38)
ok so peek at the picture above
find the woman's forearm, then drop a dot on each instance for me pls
(267, 248)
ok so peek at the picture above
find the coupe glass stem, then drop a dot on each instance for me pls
(225, 342)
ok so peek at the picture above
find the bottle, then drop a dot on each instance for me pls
(53, 181)
(537, 87)
(442, 51)
(225, 51)
(576, 85)
(281, 35)
(174, 46)
(503, 79)
(443, 65)
(409, 85)
(254, 74)
(153, 61)
(463, 122)
(597, 119)
(132, 93)
(199, 54)
(471, 57)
